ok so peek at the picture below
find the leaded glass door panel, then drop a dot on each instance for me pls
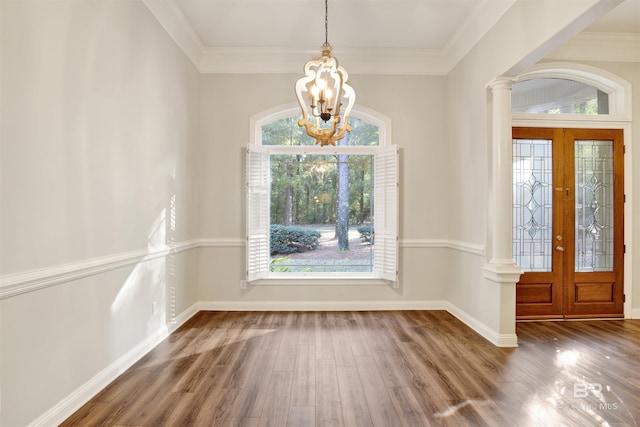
(596, 204)
(567, 222)
(537, 215)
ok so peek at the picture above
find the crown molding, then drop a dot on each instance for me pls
(254, 60)
(171, 18)
(392, 61)
(483, 17)
(606, 47)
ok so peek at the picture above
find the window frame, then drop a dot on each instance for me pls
(386, 198)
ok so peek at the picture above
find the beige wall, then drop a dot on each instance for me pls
(415, 106)
(99, 122)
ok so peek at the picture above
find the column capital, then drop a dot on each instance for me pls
(502, 83)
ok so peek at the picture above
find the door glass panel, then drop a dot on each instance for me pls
(532, 204)
(594, 205)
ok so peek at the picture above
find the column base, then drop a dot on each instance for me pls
(502, 271)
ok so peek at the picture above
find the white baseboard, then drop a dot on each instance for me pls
(500, 340)
(497, 339)
(67, 406)
(320, 305)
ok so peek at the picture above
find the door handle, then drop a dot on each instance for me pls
(559, 249)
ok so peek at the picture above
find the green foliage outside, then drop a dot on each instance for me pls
(304, 187)
(290, 239)
(287, 265)
(366, 233)
(280, 265)
(287, 132)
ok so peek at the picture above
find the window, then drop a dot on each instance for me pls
(558, 96)
(321, 212)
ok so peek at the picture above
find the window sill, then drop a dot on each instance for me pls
(321, 281)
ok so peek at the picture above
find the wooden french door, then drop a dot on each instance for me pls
(568, 205)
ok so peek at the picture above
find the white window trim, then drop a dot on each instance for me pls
(290, 109)
(385, 256)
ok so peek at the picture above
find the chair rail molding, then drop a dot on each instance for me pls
(32, 280)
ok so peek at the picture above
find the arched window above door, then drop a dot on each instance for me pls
(573, 89)
(558, 96)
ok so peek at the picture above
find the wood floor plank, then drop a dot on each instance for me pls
(210, 350)
(241, 369)
(276, 406)
(381, 408)
(288, 349)
(302, 416)
(386, 354)
(341, 347)
(304, 377)
(357, 341)
(411, 368)
(244, 422)
(129, 385)
(251, 398)
(328, 400)
(355, 409)
(164, 408)
(93, 413)
(324, 341)
(142, 406)
(217, 409)
(408, 408)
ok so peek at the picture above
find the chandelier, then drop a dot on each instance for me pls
(321, 94)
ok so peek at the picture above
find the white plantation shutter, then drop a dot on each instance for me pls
(385, 213)
(257, 188)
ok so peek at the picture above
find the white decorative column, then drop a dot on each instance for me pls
(501, 268)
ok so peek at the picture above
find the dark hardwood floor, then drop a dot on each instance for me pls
(389, 368)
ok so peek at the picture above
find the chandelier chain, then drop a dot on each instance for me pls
(326, 23)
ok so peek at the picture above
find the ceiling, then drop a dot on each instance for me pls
(625, 18)
(430, 24)
(417, 24)
(440, 29)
